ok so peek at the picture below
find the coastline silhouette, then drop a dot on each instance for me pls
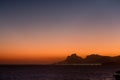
(90, 59)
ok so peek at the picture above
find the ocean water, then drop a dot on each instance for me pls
(57, 72)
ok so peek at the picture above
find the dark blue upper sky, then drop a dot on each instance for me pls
(17, 15)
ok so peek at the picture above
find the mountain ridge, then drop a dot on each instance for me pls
(90, 59)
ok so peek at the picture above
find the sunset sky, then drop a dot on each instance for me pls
(46, 31)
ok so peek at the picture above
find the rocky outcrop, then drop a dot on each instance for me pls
(72, 59)
(91, 59)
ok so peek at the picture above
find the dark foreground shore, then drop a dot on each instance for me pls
(57, 72)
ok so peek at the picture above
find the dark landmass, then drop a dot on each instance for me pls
(93, 59)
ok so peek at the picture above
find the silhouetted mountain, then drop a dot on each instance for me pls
(73, 59)
(117, 59)
(97, 59)
(91, 59)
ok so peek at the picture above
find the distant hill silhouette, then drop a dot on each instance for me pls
(91, 59)
(73, 59)
(97, 59)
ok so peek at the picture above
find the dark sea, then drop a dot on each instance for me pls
(57, 72)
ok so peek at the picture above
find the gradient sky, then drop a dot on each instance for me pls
(46, 31)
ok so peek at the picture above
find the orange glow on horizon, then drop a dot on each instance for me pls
(50, 55)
